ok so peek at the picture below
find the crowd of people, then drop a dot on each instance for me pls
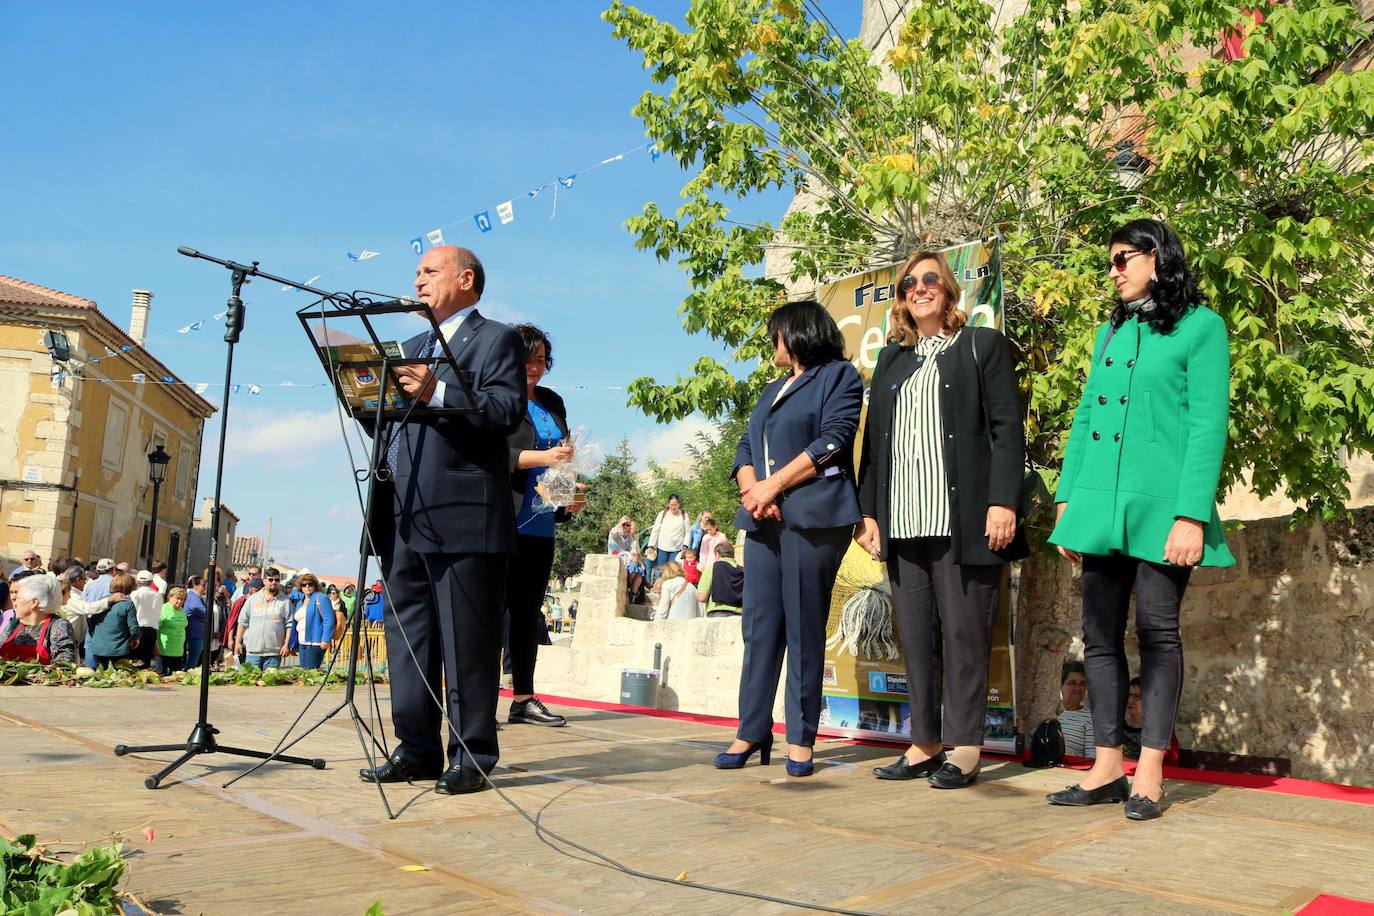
(683, 571)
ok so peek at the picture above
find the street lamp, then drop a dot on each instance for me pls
(158, 460)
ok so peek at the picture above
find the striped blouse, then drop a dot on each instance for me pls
(920, 503)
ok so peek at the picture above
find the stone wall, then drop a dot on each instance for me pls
(1278, 650)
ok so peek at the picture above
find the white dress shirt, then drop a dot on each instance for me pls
(448, 327)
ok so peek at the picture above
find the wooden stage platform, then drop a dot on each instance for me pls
(641, 790)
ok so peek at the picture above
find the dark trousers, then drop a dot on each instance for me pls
(312, 656)
(788, 575)
(147, 645)
(1159, 591)
(945, 613)
(446, 608)
(527, 580)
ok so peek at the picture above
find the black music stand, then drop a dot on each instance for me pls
(384, 421)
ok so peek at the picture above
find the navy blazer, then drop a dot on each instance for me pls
(819, 415)
(452, 488)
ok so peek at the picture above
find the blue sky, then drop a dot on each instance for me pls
(293, 133)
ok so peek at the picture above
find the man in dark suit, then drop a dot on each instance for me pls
(447, 536)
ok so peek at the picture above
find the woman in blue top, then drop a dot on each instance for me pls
(537, 444)
(316, 628)
(195, 621)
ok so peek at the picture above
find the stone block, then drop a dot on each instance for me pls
(50, 429)
(1350, 542)
(1272, 549)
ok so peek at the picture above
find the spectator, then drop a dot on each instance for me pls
(1075, 719)
(721, 589)
(195, 620)
(698, 532)
(114, 633)
(667, 536)
(148, 605)
(159, 571)
(99, 587)
(677, 600)
(219, 613)
(572, 609)
(231, 640)
(28, 561)
(374, 604)
(636, 581)
(264, 622)
(1135, 721)
(30, 631)
(254, 572)
(349, 597)
(77, 611)
(691, 569)
(314, 622)
(623, 539)
(336, 604)
(171, 633)
(711, 541)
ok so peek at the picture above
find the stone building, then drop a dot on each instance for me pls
(200, 536)
(75, 435)
(247, 551)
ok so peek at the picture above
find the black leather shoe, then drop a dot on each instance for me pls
(1143, 808)
(901, 769)
(397, 770)
(460, 781)
(950, 776)
(533, 712)
(1076, 796)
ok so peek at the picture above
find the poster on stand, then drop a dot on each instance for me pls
(864, 685)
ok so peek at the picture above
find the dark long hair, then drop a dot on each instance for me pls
(808, 332)
(532, 336)
(1174, 288)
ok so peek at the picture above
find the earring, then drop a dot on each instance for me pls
(1153, 276)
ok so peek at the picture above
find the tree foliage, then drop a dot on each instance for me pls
(970, 126)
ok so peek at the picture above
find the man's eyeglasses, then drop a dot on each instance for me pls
(930, 279)
(1122, 258)
(270, 579)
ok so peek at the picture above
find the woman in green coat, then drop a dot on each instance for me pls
(1137, 498)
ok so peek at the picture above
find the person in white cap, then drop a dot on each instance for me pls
(99, 587)
(148, 607)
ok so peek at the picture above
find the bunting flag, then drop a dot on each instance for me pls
(535, 192)
(417, 245)
(654, 152)
(615, 158)
(219, 316)
(253, 389)
(201, 386)
(568, 182)
(483, 220)
(506, 212)
(362, 255)
(169, 380)
(234, 389)
(436, 237)
(109, 352)
(125, 348)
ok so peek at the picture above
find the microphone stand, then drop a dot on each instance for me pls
(202, 738)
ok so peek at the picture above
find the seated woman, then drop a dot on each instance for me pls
(1075, 719)
(31, 631)
(677, 598)
(1135, 722)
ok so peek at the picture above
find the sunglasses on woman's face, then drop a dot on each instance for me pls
(1122, 258)
(930, 279)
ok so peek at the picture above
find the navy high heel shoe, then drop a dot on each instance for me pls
(801, 767)
(726, 761)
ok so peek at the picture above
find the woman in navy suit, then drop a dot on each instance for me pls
(795, 470)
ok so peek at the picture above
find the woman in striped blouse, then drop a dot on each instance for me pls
(940, 473)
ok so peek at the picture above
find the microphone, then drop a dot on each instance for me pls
(189, 252)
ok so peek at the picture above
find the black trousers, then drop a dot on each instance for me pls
(448, 607)
(945, 613)
(788, 575)
(527, 580)
(1159, 588)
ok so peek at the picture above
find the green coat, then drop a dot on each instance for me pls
(1147, 441)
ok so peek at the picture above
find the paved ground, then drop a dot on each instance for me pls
(640, 790)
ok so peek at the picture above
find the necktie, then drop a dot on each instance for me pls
(393, 451)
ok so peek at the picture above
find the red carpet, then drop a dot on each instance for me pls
(1330, 905)
(1284, 785)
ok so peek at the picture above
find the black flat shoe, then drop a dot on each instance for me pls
(901, 769)
(533, 712)
(950, 776)
(397, 770)
(460, 781)
(1143, 808)
(1078, 797)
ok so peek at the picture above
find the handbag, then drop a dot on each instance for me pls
(1033, 492)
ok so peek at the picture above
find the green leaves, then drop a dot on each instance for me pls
(32, 884)
(978, 125)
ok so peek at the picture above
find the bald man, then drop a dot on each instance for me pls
(445, 531)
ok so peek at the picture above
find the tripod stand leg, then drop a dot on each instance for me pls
(153, 781)
(121, 749)
(316, 762)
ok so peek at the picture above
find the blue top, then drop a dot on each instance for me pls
(694, 537)
(374, 606)
(546, 435)
(319, 620)
(195, 615)
(97, 588)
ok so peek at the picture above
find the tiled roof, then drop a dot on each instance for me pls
(21, 292)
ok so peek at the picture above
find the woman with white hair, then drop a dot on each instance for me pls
(31, 631)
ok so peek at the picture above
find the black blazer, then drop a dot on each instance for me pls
(818, 414)
(451, 492)
(980, 473)
(523, 438)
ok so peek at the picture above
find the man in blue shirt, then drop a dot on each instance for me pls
(99, 586)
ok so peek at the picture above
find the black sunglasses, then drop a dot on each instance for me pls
(928, 279)
(1122, 258)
